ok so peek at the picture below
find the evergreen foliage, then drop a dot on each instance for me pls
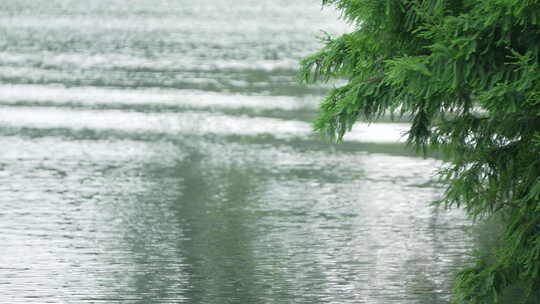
(467, 71)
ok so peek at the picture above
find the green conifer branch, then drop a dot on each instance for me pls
(468, 74)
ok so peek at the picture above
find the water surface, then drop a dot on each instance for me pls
(162, 152)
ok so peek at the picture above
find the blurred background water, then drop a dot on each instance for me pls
(160, 151)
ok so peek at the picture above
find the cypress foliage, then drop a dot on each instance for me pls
(467, 71)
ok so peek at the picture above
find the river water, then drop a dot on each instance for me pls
(160, 151)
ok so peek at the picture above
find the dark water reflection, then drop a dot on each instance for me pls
(214, 222)
(150, 157)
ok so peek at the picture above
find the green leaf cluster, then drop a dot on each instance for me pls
(467, 72)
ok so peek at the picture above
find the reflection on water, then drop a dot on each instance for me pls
(159, 152)
(199, 222)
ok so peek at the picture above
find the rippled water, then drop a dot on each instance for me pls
(161, 152)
